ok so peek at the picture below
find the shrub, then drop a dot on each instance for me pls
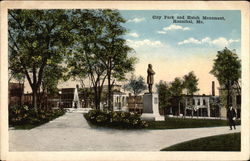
(24, 115)
(115, 119)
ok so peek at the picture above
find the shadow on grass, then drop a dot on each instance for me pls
(227, 142)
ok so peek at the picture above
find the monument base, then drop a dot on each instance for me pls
(151, 108)
(152, 117)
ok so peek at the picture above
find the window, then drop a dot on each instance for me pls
(198, 103)
(193, 102)
(204, 102)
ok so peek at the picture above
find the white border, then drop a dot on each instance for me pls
(125, 5)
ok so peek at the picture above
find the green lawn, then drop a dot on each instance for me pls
(227, 142)
(176, 123)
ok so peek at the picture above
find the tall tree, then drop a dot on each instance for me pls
(190, 83)
(176, 88)
(88, 49)
(136, 85)
(100, 52)
(164, 94)
(116, 59)
(37, 38)
(227, 70)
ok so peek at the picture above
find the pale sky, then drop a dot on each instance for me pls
(175, 49)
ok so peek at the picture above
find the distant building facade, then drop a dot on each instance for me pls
(120, 101)
(16, 93)
(135, 103)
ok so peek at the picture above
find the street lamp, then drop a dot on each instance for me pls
(60, 92)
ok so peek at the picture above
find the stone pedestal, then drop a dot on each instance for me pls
(151, 108)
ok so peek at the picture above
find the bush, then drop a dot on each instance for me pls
(24, 115)
(115, 119)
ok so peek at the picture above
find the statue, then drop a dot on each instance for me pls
(150, 78)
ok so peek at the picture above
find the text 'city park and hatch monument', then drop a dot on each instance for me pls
(151, 100)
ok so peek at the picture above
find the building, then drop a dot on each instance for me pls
(197, 105)
(135, 103)
(120, 101)
(16, 93)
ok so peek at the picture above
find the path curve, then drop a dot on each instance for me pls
(71, 132)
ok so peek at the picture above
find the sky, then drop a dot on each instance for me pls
(175, 49)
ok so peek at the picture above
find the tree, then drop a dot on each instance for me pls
(176, 88)
(227, 70)
(100, 52)
(53, 73)
(164, 94)
(190, 83)
(84, 61)
(136, 85)
(116, 58)
(37, 38)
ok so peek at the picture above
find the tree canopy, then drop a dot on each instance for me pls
(37, 39)
(190, 83)
(164, 94)
(226, 67)
(100, 52)
(227, 70)
(136, 84)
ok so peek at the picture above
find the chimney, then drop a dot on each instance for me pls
(213, 91)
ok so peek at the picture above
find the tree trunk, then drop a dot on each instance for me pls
(185, 108)
(179, 108)
(21, 93)
(97, 102)
(228, 94)
(34, 98)
(192, 111)
(109, 87)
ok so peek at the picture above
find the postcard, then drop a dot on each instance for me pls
(124, 80)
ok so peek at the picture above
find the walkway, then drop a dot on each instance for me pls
(71, 132)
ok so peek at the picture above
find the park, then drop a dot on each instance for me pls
(116, 100)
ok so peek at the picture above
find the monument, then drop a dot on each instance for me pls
(76, 100)
(151, 100)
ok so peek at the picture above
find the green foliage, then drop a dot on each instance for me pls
(136, 85)
(227, 67)
(227, 70)
(173, 91)
(176, 87)
(52, 75)
(190, 83)
(99, 51)
(115, 119)
(227, 142)
(177, 123)
(27, 116)
(38, 40)
(164, 94)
